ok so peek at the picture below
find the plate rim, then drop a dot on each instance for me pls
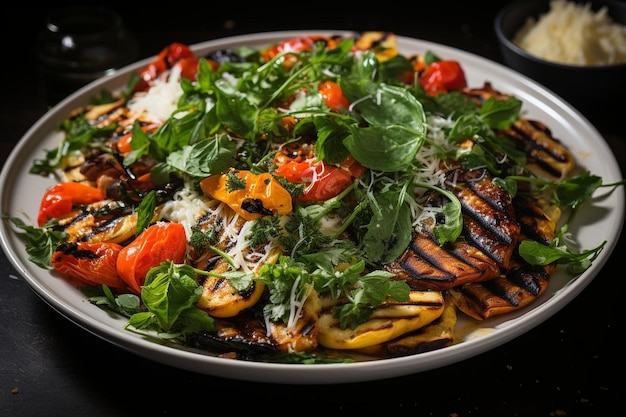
(293, 373)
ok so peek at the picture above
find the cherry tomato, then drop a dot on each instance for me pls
(322, 181)
(333, 96)
(331, 182)
(168, 57)
(158, 243)
(260, 195)
(61, 198)
(89, 263)
(442, 76)
(123, 144)
(189, 67)
(296, 171)
(297, 44)
(353, 166)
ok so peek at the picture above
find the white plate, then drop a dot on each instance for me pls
(21, 194)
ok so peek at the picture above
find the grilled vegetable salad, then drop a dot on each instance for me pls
(316, 200)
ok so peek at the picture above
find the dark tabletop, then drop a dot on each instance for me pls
(566, 366)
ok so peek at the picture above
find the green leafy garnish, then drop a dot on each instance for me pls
(41, 242)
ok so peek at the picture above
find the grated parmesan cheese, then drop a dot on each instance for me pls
(572, 33)
(161, 100)
(188, 206)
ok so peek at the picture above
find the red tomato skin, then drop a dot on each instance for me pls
(333, 96)
(89, 263)
(295, 171)
(166, 59)
(189, 67)
(123, 144)
(322, 181)
(296, 44)
(353, 166)
(158, 243)
(330, 184)
(443, 76)
(60, 199)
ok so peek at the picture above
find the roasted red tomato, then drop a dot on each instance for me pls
(173, 54)
(158, 243)
(296, 44)
(123, 144)
(442, 77)
(89, 263)
(61, 199)
(322, 181)
(333, 96)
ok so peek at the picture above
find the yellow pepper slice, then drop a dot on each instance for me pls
(253, 197)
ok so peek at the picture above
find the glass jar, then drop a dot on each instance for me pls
(80, 44)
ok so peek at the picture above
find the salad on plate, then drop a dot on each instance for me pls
(321, 199)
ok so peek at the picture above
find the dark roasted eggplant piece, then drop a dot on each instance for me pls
(547, 157)
(241, 337)
(490, 234)
(516, 288)
(521, 283)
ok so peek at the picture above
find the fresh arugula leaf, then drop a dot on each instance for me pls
(389, 231)
(500, 114)
(536, 253)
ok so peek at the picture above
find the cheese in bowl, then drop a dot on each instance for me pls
(575, 50)
(573, 33)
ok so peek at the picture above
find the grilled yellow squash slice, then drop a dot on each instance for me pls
(390, 320)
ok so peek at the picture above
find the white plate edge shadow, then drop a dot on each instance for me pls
(538, 101)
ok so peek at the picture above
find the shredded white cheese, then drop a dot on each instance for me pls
(572, 33)
(186, 207)
(161, 100)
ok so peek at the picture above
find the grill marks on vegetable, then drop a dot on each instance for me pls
(521, 283)
(546, 156)
(490, 233)
(104, 221)
(388, 322)
(439, 333)
(248, 336)
(219, 297)
(481, 270)
(516, 288)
